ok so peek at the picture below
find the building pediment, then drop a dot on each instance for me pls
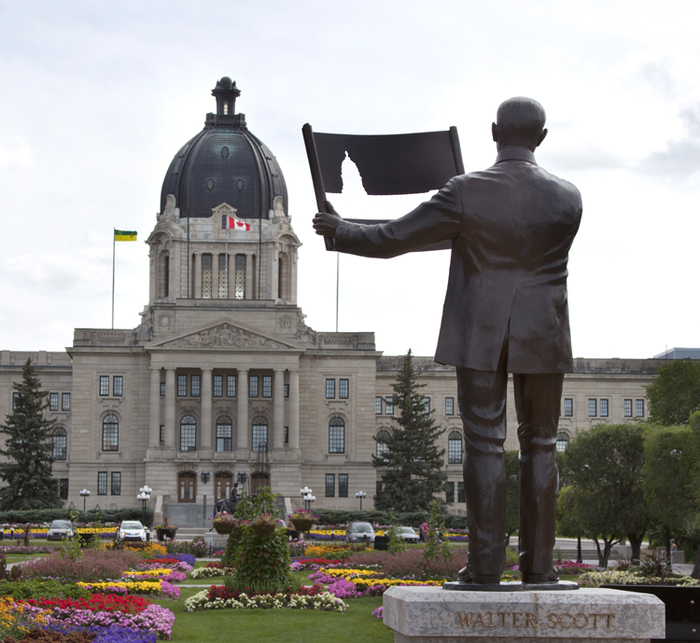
(225, 334)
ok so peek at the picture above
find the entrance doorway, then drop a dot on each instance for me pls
(222, 485)
(258, 480)
(187, 487)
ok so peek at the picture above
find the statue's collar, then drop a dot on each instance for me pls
(512, 153)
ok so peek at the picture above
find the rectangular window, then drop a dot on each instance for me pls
(592, 408)
(65, 402)
(15, 397)
(379, 486)
(461, 496)
(195, 385)
(63, 488)
(343, 389)
(230, 386)
(336, 438)
(449, 406)
(181, 385)
(239, 278)
(161, 436)
(568, 407)
(343, 485)
(218, 385)
(101, 483)
(53, 401)
(223, 435)
(206, 275)
(330, 389)
(223, 277)
(628, 408)
(286, 391)
(389, 405)
(267, 386)
(116, 483)
(378, 405)
(604, 408)
(118, 386)
(104, 385)
(640, 409)
(330, 485)
(286, 435)
(253, 386)
(162, 389)
(449, 492)
(426, 404)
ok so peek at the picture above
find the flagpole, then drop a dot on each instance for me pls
(114, 245)
(337, 288)
(228, 289)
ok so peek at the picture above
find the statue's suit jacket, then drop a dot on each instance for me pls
(511, 228)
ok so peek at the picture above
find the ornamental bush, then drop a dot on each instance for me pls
(41, 588)
(93, 565)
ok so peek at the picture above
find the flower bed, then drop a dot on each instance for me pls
(162, 587)
(211, 572)
(353, 583)
(219, 597)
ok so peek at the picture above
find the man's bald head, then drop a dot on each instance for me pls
(520, 122)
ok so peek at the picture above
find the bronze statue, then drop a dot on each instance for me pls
(511, 227)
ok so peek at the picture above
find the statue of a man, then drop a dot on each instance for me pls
(511, 227)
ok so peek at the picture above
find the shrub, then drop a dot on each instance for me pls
(93, 565)
(411, 564)
(41, 589)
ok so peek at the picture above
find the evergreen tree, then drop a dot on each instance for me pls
(411, 465)
(28, 449)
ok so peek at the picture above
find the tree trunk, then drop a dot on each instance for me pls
(696, 568)
(604, 556)
(636, 543)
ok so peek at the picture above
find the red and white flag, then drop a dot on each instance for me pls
(235, 224)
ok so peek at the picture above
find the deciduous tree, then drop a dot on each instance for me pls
(675, 393)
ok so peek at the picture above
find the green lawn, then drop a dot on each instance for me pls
(279, 626)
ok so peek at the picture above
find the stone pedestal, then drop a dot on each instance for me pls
(433, 615)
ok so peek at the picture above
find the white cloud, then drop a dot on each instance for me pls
(15, 155)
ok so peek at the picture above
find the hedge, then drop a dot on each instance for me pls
(47, 515)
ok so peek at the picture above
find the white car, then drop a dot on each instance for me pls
(407, 534)
(132, 531)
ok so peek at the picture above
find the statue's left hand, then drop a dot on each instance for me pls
(326, 223)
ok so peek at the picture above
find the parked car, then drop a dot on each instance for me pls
(132, 530)
(408, 534)
(359, 532)
(60, 529)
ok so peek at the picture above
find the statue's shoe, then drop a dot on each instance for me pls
(465, 576)
(535, 579)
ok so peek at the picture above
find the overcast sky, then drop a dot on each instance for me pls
(97, 97)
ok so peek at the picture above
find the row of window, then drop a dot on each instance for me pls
(388, 403)
(102, 478)
(343, 388)
(53, 401)
(601, 407)
(224, 385)
(117, 385)
(450, 492)
(454, 446)
(343, 485)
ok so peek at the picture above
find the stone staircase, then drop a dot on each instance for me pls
(189, 516)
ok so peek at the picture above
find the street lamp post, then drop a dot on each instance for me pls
(305, 494)
(308, 499)
(144, 496)
(360, 495)
(84, 494)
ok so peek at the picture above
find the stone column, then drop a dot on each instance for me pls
(249, 294)
(198, 275)
(294, 410)
(278, 421)
(242, 416)
(169, 408)
(214, 275)
(154, 408)
(205, 434)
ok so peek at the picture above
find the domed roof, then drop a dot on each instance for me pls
(224, 163)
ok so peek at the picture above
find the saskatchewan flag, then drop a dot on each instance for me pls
(125, 235)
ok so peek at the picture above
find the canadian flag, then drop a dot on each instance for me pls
(235, 224)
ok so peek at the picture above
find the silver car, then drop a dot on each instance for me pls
(407, 534)
(60, 529)
(359, 532)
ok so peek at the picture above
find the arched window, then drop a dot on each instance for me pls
(60, 444)
(454, 448)
(188, 433)
(259, 433)
(336, 435)
(223, 433)
(382, 447)
(110, 433)
(562, 441)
